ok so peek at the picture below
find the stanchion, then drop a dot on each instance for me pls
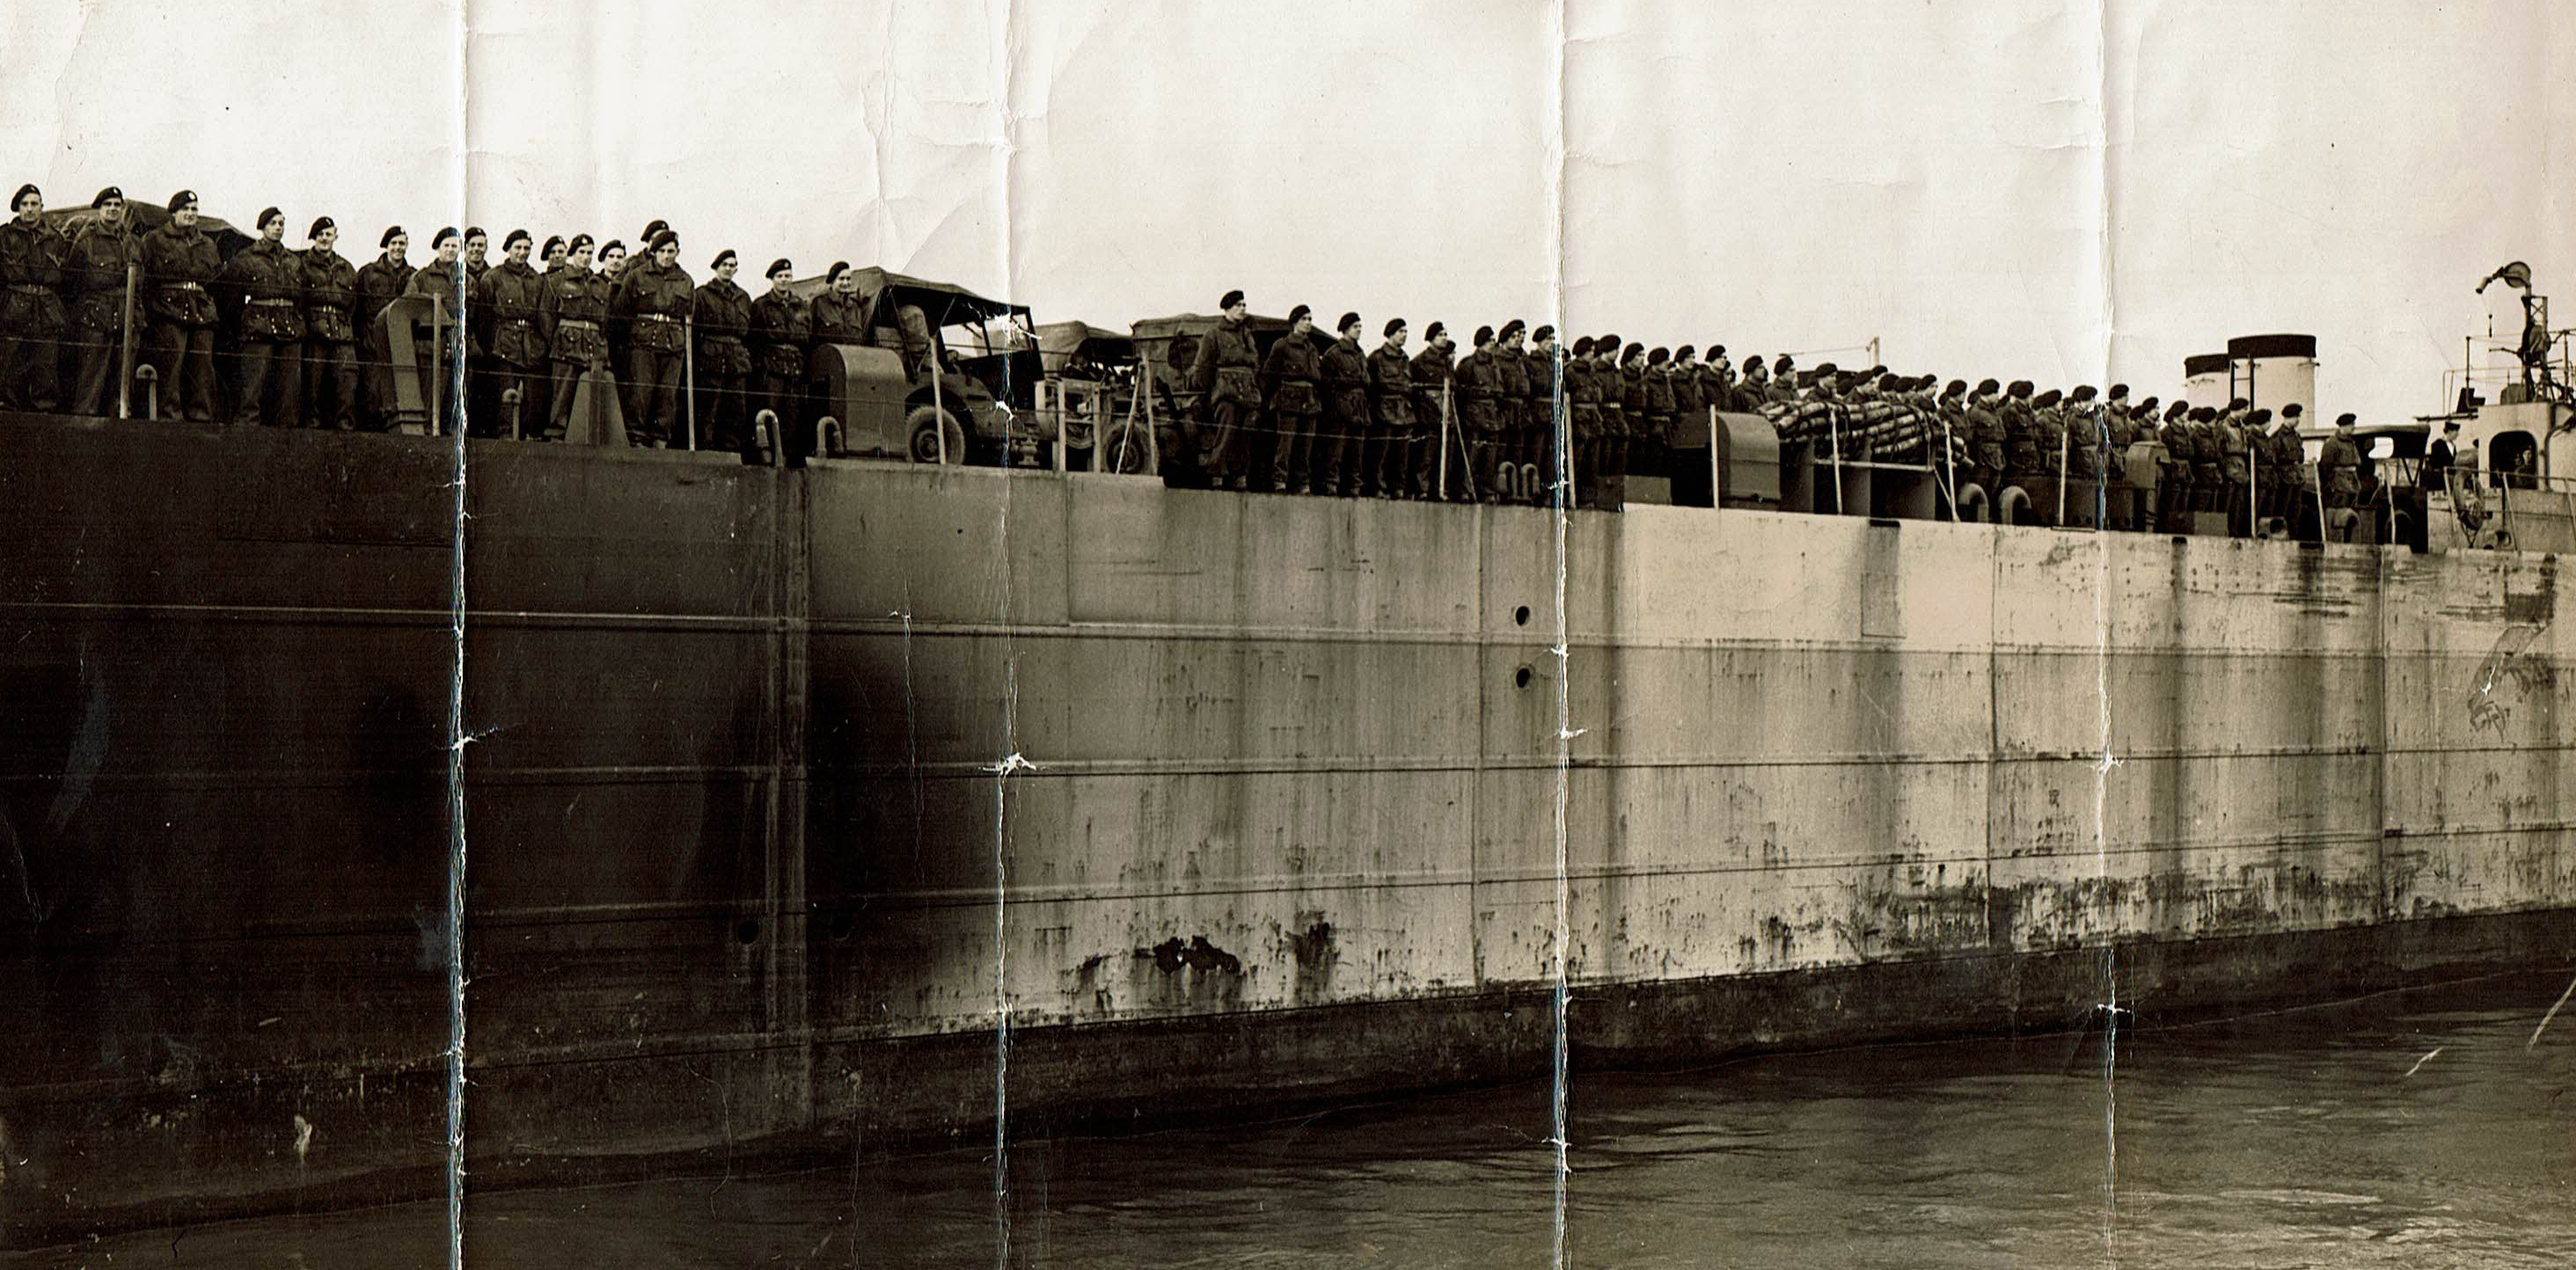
(1712, 457)
(689, 379)
(125, 359)
(1145, 381)
(1949, 468)
(437, 341)
(1834, 427)
(1444, 441)
(151, 392)
(2063, 450)
(1060, 434)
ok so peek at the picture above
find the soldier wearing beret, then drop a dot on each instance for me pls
(1477, 389)
(439, 338)
(654, 298)
(1390, 468)
(478, 256)
(1291, 389)
(1512, 413)
(1655, 447)
(572, 319)
(839, 315)
(381, 281)
(782, 329)
(1436, 431)
(96, 273)
(1583, 407)
(722, 313)
(1690, 395)
(553, 254)
(1343, 447)
(507, 305)
(270, 281)
(1539, 461)
(1227, 377)
(330, 387)
(31, 306)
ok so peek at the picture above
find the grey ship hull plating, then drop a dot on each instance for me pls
(783, 786)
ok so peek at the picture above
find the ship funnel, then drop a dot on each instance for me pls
(2274, 371)
(2204, 380)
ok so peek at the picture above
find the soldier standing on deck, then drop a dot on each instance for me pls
(1634, 413)
(654, 299)
(330, 388)
(1226, 377)
(1432, 374)
(1477, 388)
(381, 281)
(1985, 438)
(478, 251)
(1510, 371)
(553, 253)
(722, 313)
(1545, 392)
(1291, 379)
(572, 318)
(1612, 448)
(271, 328)
(442, 343)
(95, 270)
(1660, 405)
(1583, 394)
(1341, 467)
(1391, 468)
(838, 315)
(1690, 409)
(506, 304)
(2339, 466)
(782, 328)
(31, 309)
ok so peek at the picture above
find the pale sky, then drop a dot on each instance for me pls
(2025, 190)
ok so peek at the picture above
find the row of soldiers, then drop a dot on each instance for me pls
(307, 347)
(1378, 423)
(1342, 421)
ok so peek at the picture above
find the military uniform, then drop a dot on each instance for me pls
(2339, 470)
(654, 300)
(572, 319)
(1538, 442)
(178, 263)
(1431, 378)
(1226, 376)
(1342, 467)
(95, 273)
(506, 304)
(1394, 467)
(1583, 394)
(1985, 438)
(723, 318)
(1478, 392)
(1513, 413)
(380, 283)
(1291, 392)
(440, 341)
(1654, 450)
(782, 329)
(330, 389)
(31, 314)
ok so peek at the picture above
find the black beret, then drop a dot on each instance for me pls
(2083, 392)
(1434, 331)
(552, 241)
(266, 214)
(1484, 335)
(613, 244)
(321, 223)
(1582, 345)
(473, 232)
(1825, 369)
(1232, 298)
(1393, 325)
(23, 192)
(2238, 404)
(665, 239)
(182, 199)
(779, 266)
(515, 237)
(578, 242)
(1511, 328)
(721, 257)
(656, 227)
(440, 238)
(2344, 420)
(1783, 362)
(1659, 357)
(1633, 350)
(2260, 416)
(1956, 388)
(1683, 353)
(2293, 410)
(100, 199)
(1348, 321)
(834, 273)
(1298, 312)
(1543, 335)
(1717, 350)
(1607, 343)
(2203, 414)
(2118, 391)
(392, 232)
(2148, 403)
(1987, 386)
(2179, 407)
(2048, 398)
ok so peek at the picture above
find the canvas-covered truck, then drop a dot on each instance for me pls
(881, 399)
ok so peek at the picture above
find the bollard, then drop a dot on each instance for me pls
(151, 391)
(510, 399)
(827, 437)
(765, 438)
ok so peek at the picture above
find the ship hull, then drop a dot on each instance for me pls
(865, 804)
